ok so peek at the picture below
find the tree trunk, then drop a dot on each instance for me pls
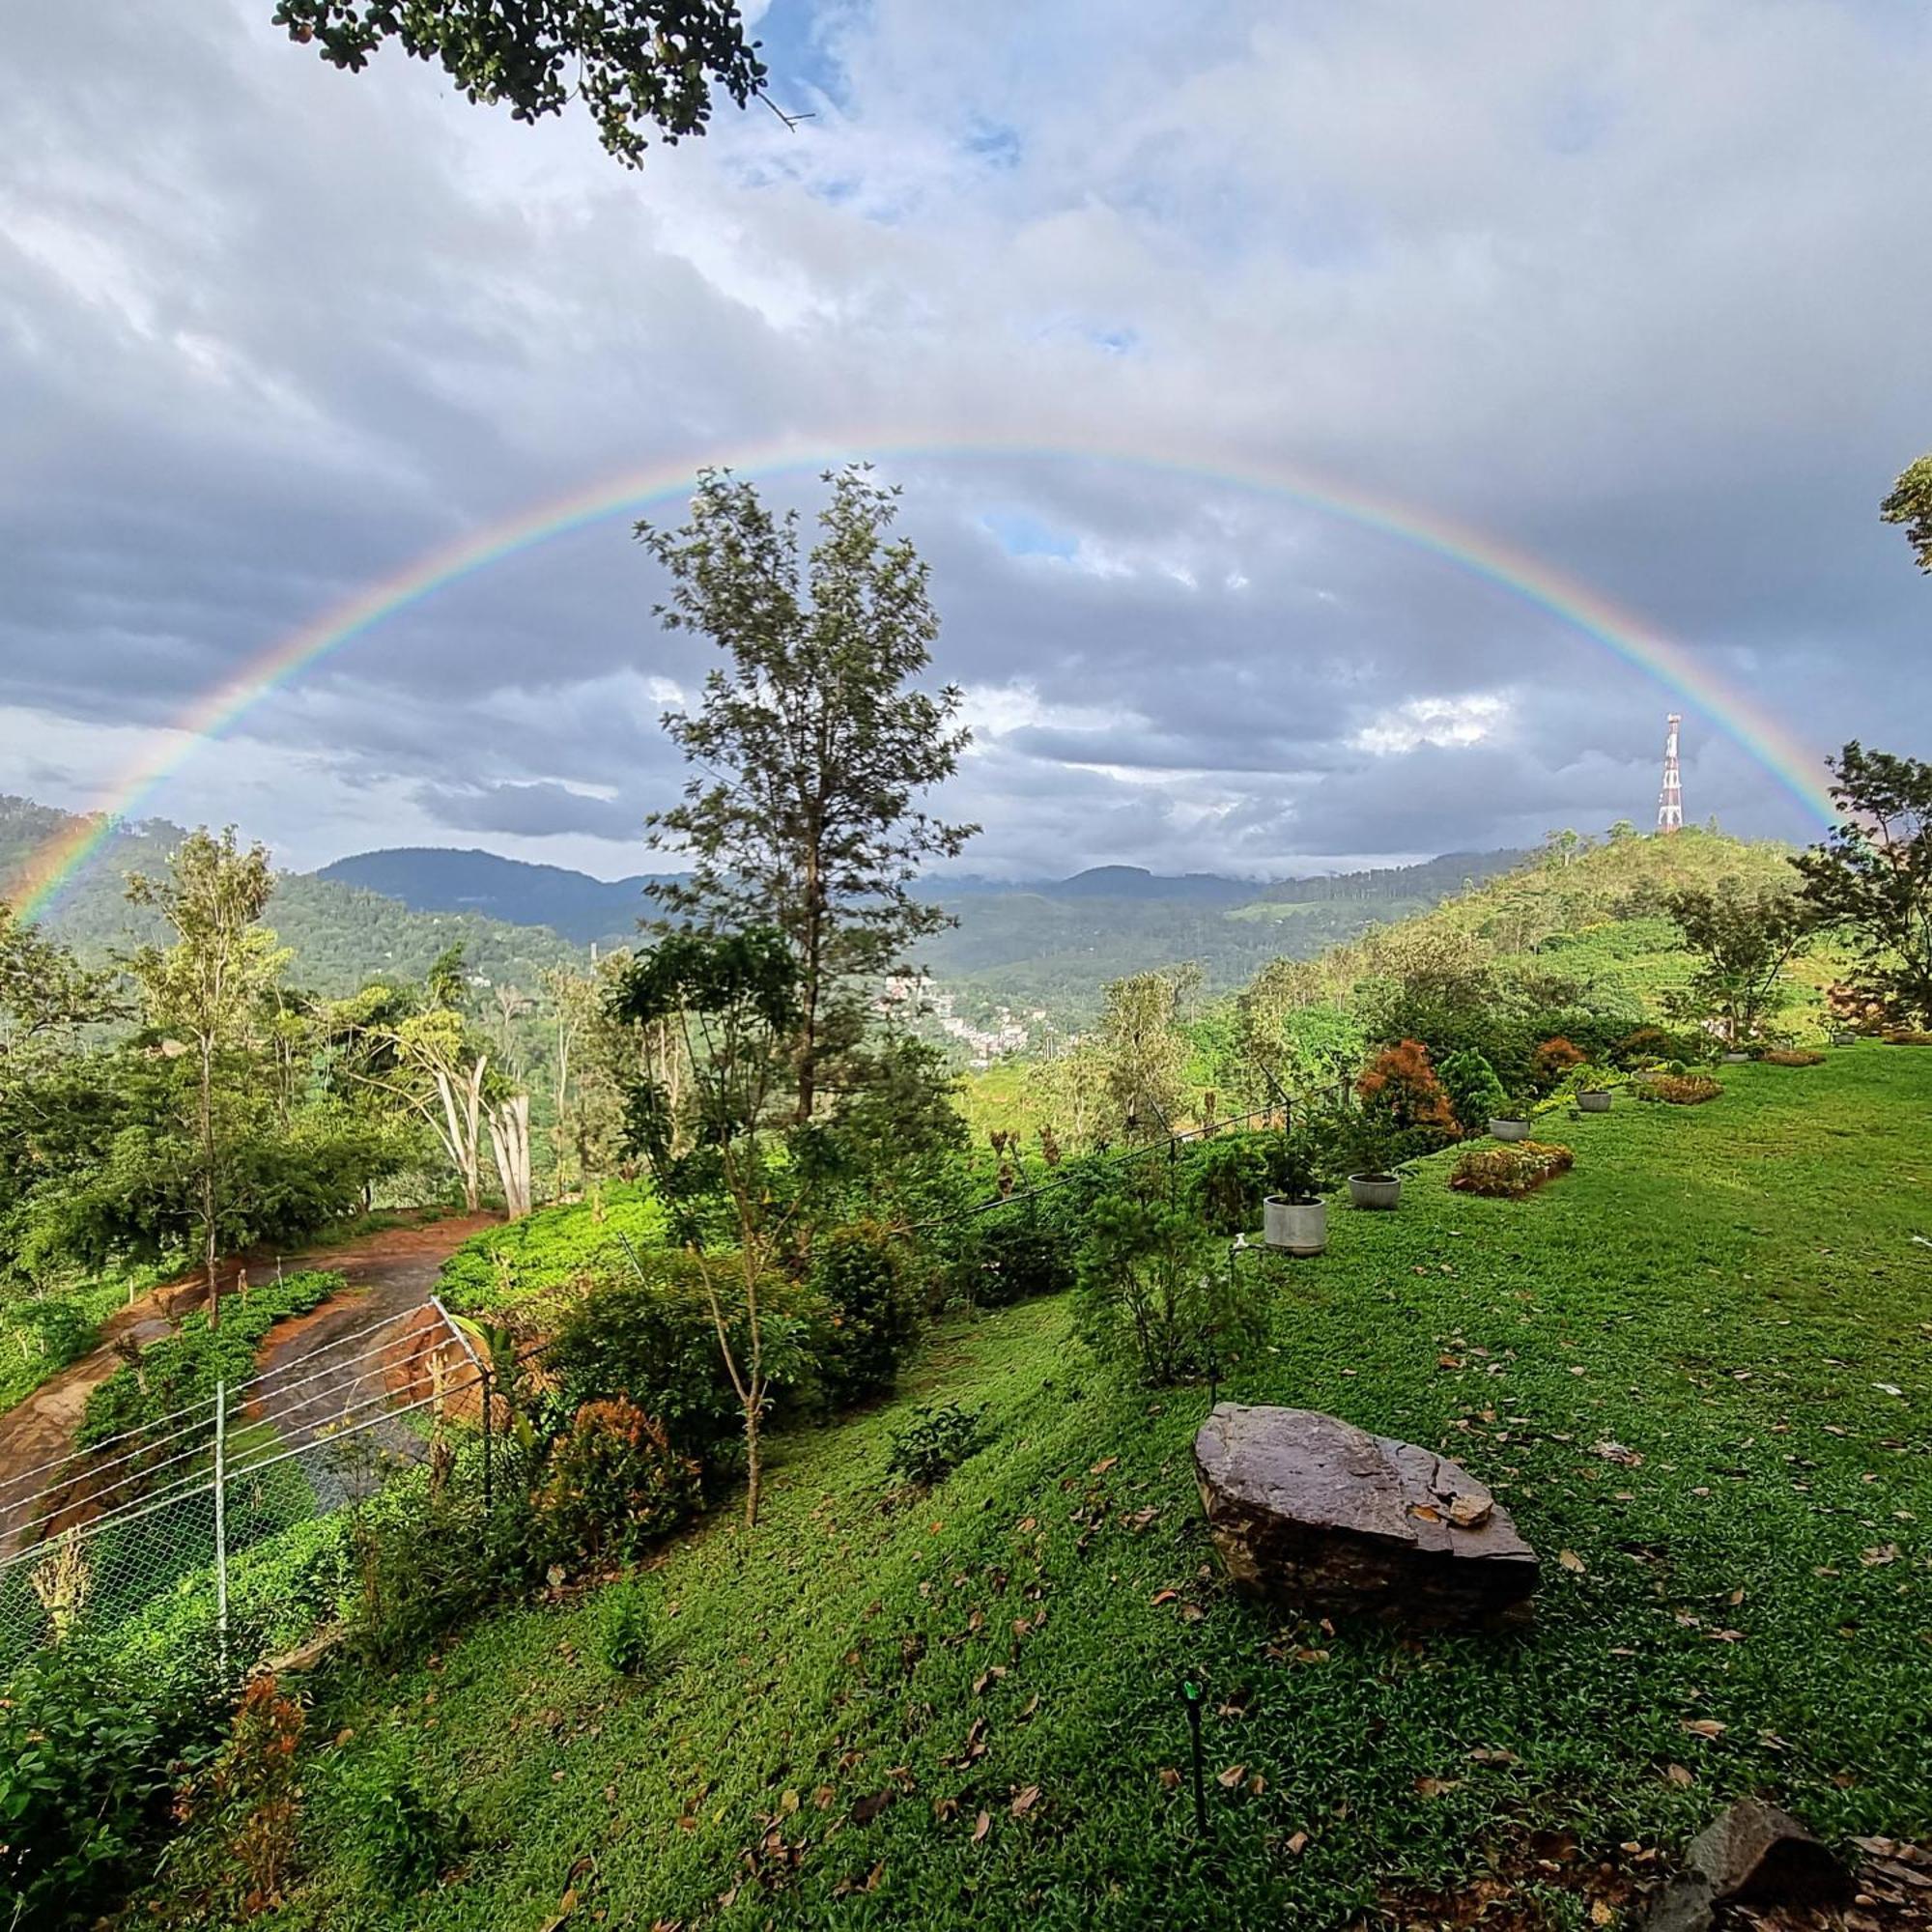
(510, 1142)
(207, 1183)
(753, 1470)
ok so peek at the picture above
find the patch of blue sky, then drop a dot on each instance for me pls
(799, 44)
(995, 143)
(1021, 533)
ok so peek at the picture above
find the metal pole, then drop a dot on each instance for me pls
(221, 1524)
(483, 1382)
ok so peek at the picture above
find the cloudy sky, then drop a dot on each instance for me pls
(1643, 292)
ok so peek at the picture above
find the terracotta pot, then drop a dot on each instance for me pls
(1374, 1190)
(1294, 1227)
(1597, 1102)
(1508, 1130)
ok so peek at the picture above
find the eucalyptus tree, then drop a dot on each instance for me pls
(810, 747)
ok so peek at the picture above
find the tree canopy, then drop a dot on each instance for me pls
(633, 64)
(1911, 505)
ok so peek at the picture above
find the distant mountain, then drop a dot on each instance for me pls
(431, 878)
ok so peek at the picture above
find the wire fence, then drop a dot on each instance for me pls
(219, 1523)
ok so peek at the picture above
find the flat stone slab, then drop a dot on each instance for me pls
(1315, 1514)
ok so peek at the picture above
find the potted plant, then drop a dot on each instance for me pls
(1513, 1125)
(1844, 1037)
(1295, 1217)
(1373, 1181)
(1594, 1088)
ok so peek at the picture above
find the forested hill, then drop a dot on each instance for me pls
(342, 935)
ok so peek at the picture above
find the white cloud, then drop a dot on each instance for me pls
(1445, 722)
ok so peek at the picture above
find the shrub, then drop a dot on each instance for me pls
(1790, 1056)
(1648, 1045)
(858, 1274)
(1153, 1283)
(1678, 1089)
(1300, 1163)
(935, 1441)
(1476, 1097)
(1401, 1084)
(1509, 1170)
(1228, 1179)
(1905, 1036)
(615, 1485)
(544, 1253)
(240, 1821)
(648, 1335)
(1020, 1256)
(1552, 1060)
(87, 1760)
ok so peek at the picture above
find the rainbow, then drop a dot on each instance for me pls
(37, 888)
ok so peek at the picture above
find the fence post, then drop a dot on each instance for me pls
(482, 1382)
(221, 1524)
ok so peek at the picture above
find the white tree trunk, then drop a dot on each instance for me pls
(510, 1142)
(461, 1129)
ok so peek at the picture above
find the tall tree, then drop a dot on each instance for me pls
(1145, 1051)
(734, 1001)
(634, 63)
(1911, 505)
(206, 993)
(811, 744)
(1744, 939)
(1872, 875)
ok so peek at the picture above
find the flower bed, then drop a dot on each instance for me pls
(1792, 1056)
(1509, 1171)
(1679, 1090)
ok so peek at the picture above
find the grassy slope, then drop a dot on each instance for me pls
(1717, 1288)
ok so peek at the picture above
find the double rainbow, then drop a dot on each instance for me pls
(1797, 767)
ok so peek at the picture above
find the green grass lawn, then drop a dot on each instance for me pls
(1732, 1291)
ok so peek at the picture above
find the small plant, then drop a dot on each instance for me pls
(403, 1841)
(1678, 1089)
(1301, 1165)
(926, 1449)
(627, 1639)
(1595, 1080)
(1229, 1178)
(1368, 1147)
(1790, 1056)
(1511, 1171)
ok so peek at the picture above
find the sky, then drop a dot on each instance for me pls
(1639, 292)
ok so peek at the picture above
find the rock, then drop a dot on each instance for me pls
(1755, 1853)
(1684, 1905)
(1315, 1514)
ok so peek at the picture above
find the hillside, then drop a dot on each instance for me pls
(963, 1708)
(341, 934)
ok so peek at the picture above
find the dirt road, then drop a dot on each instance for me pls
(387, 1273)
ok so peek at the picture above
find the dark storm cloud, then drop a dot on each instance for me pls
(269, 334)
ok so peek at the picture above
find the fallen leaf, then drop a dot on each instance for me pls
(1435, 1787)
(1879, 1553)
(981, 1825)
(1101, 1467)
(1679, 1775)
(1231, 1777)
(1600, 1912)
(1025, 1801)
(1170, 1778)
(865, 1809)
(1297, 1844)
(1570, 1560)
(1704, 1727)
(1161, 1597)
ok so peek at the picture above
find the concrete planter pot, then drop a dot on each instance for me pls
(1374, 1190)
(1508, 1130)
(1737, 1060)
(1294, 1227)
(1844, 1039)
(1594, 1103)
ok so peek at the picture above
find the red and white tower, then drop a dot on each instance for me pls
(1670, 800)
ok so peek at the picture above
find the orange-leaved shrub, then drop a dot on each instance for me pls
(1511, 1170)
(1399, 1084)
(614, 1484)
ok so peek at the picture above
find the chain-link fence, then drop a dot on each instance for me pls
(221, 1524)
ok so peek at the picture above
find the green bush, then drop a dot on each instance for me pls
(1020, 1255)
(613, 1486)
(1227, 1179)
(928, 1448)
(858, 1274)
(648, 1334)
(1475, 1093)
(89, 1754)
(1154, 1286)
(402, 1839)
(182, 1368)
